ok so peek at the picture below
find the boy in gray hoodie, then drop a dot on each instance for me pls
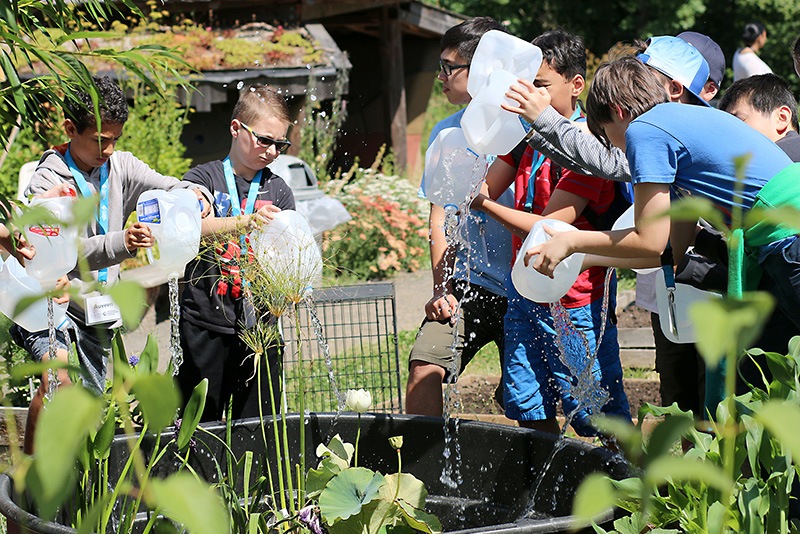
(89, 164)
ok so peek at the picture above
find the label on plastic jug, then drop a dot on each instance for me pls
(45, 230)
(147, 211)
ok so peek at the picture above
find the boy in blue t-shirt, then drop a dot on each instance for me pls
(675, 151)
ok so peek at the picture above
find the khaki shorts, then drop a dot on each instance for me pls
(453, 347)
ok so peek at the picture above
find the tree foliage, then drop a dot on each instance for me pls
(603, 23)
(53, 36)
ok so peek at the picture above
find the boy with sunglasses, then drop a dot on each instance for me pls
(214, 309)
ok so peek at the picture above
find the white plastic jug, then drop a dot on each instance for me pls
(685, 296)
(16, 284)
(535, 286)
(55, 243)
(286, 250)
(174, 218)
(624, 222)
(502, 51)
(488, 128)
(452, 169)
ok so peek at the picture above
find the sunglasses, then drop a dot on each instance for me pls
(265, 141)
(448, 68)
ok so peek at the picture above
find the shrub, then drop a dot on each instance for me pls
(388, 232)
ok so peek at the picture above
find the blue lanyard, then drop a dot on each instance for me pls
(538, 160)
(233, 191)
(102, 213)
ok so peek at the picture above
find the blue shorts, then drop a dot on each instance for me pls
(93, 348)
(535, 377)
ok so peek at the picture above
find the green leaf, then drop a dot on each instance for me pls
(419, 519)
(682, 469)
(190, 502)
(781, 216)
(48, 505)
(158, 398)
(779, 419)
(666, 434)
(105, 434)
(318, 478)
(130, 298)
(730, 324)
(192, 414)
(411, 490)
(594, 496)
(348, 492)
(62, 430)
(694, 208)
(148, 358)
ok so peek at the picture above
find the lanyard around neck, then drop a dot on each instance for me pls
(102, 212)
(233, 191)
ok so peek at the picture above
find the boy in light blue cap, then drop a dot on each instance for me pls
(679, 62)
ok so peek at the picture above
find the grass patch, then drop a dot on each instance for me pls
(639, 372)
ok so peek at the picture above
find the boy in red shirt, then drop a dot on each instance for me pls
(534, 376)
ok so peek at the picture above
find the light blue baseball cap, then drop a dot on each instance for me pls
(678, 60)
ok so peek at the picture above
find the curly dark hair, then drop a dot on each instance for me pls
(113, 106)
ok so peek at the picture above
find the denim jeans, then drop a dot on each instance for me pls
(534, 375)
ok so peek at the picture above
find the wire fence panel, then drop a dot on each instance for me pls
(359, 325)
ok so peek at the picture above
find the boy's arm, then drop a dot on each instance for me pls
(140, 178)
(515, 221)
(561, 140)
(566, 144)
(442, 304)
(647, 240)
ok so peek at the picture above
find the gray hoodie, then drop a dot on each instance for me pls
(128, 177)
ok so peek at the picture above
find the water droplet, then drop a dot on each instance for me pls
(313, 98)
(240, 85)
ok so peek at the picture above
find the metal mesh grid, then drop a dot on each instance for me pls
(359, 325)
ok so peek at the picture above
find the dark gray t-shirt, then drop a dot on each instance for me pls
(212, 296)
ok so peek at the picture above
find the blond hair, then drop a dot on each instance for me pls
(258, 101)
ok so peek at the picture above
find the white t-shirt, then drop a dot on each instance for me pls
(748, 64)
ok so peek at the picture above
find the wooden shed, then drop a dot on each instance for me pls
(390, 47)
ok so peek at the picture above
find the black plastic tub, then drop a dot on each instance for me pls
(498, 468)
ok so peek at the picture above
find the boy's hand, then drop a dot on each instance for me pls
(531, 100)
(22, 249)
(138, 235)
(62, 284)
(206, 206)
(60, 190)
(263, 215)
(550, 253)
(441, 307)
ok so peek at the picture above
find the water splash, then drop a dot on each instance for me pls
(52, 374)
(323, 344)
(586, 389)
(175, 350)
(456, 234)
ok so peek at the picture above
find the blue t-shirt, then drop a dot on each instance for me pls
(489, 253)
(693, 148)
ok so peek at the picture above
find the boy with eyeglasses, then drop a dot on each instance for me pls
(214, 308)
(466, 310)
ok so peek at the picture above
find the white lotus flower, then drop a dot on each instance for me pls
(358, 400)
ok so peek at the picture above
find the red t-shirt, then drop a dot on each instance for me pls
(549, 177)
